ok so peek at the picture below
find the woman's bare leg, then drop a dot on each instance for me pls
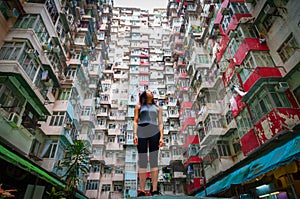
(154, 177)
(142, 178)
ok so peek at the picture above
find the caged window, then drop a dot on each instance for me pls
(105, 187)
(223, 148)
(57, 118)
(288, 48)
(92, 185)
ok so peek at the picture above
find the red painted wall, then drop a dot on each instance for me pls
(191, 139)
(219, 16)
(228, 74)
(223, 45)
(249, 142)
(198, 182)
(234, 21)
(276, 121)
(185, 105)
(241, 105)
(190, 121)
(261, 72)
(247, 45)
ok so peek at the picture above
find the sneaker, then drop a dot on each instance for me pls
(141, 193)
(155, 193)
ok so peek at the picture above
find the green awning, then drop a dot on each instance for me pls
(24, 163)
(19, 161)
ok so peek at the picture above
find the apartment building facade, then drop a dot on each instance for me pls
(139, 58)
(242, 60)
(225, 72)
(51, 58)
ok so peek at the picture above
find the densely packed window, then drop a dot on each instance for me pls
(288, 48)
(130, 184)
(64, 94)
(266, 100)
(50, 148)
(197, 171)
(105, 187)
(36, 23)
(243, 122)
(223, 148)
(253, 60)
(57, 118)
(92, 185)
(9, 100)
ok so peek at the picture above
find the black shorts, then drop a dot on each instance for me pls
(148, 135)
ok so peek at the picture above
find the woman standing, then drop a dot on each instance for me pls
(148, 132)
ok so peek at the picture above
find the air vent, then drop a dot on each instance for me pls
(281, 86)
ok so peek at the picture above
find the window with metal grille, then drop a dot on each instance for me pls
(288, 48)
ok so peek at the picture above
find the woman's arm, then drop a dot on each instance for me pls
(135, 123)
(161, 127)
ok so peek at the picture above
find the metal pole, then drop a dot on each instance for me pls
(204, 179)
(291, 185)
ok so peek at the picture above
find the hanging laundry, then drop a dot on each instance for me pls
(233, 104)
(241, 93)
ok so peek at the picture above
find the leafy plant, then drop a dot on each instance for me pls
(77, 158)
(53, 194)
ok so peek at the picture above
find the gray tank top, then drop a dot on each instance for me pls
(148, 114)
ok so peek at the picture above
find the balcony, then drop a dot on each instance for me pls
(231, 126)
(259, 74)
(21, 138)
(247, 45)
(249, 142)
(208, 108)
(118, 177)
(174, 128)
(211, 135)
(19, 78)
(100, 127)
(120, 75)
(173, 114)
(144, 63)
(102, 114)
(98, 142)
(191, 139)
(114, 131)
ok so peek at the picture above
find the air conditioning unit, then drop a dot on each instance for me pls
(48, 83)
(70, 18)
(47, 45)
(56, 49)
(14, 120)
(225, 11)
(32, 53)
(68, 125)
(232, 34)
(72, 51)
(269, 9)
(281, 86)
